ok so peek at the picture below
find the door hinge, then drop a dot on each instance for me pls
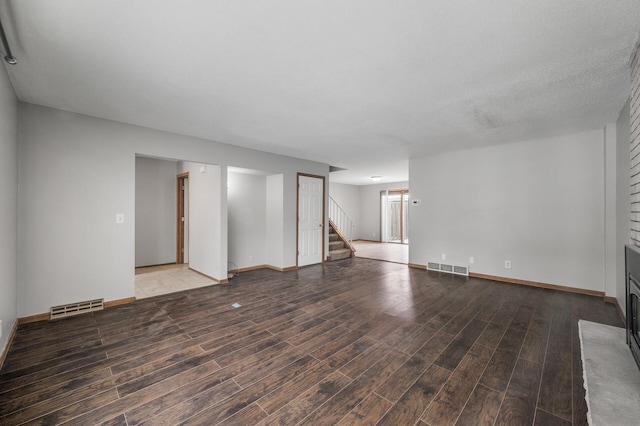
(183, 218)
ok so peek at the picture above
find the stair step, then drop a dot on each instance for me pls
(333, 237)
(339, 254)
(336, 245)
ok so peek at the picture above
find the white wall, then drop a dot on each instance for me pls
(539, 204)
(610, 216)
(274, 221)
(76, 172)
(155, 213)
(348, 198)
(207, 236)
(369, 225)
(623, 198)
(247, 219)
(8, 206)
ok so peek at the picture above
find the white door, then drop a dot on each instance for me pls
(310, 220)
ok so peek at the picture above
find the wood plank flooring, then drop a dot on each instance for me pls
(351, 342)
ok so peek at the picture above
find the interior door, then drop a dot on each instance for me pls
(310, 219)
(182, 231)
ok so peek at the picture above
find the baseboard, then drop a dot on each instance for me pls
(252, 268)
(255, 268)
(119, 302)
(46, 316)
(34, 318)
(279, 269)
(528, 283)
(223, 281)
(621, 312)
(7, 345)
(537, 284)
(417, 266)
(157, 264)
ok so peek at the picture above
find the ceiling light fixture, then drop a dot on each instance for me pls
(376, 178)
(8, 57)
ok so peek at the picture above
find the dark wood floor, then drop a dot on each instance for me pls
(352, 342)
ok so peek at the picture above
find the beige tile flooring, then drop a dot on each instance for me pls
(157, 280)
(390, 252)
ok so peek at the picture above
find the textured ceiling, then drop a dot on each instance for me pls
(358, 84)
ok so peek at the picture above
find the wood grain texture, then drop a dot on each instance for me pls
(351, 342)
(414, 401)
(500, 368)
(482, 408)
(519, 403)
(547, 419)
(368, 412)
(450, 401)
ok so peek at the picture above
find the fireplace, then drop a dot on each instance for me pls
(632, 261)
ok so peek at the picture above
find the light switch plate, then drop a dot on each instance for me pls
(119, 217)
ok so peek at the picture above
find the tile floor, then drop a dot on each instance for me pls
(390, 252)
(157, 280)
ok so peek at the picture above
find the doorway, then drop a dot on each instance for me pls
(394, 216)
(310, 219)
(182, 223)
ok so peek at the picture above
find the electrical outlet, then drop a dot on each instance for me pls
(507, 264)
(444, 256)
(0, 329)
(250, 258)
(472, 260)
(374, 235)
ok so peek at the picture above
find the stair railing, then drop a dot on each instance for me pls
(341, 222)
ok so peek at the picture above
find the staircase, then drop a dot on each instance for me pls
(337, 249)
(340, 232)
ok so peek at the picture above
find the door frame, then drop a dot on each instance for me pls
(404, 194)
(180, 231)
(324, 189)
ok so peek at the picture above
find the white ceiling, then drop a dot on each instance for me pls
(358, 84)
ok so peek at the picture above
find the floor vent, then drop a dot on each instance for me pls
(76, 308)
(449, 269)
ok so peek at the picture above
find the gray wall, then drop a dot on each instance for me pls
(155, 211)
(8, 203)
(77, 172)
(623, 198)
(275, 211)
(362, 204)
(369, 225)
(610, 218)
(348, 198)
(538, 203)
(247, 219)
(207, 236)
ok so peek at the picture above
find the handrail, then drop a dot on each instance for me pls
(341, 221)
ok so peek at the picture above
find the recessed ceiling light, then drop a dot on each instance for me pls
(376, 178)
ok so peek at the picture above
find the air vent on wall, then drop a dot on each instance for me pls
(448, 268)
(76, 308)
(433, 266)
